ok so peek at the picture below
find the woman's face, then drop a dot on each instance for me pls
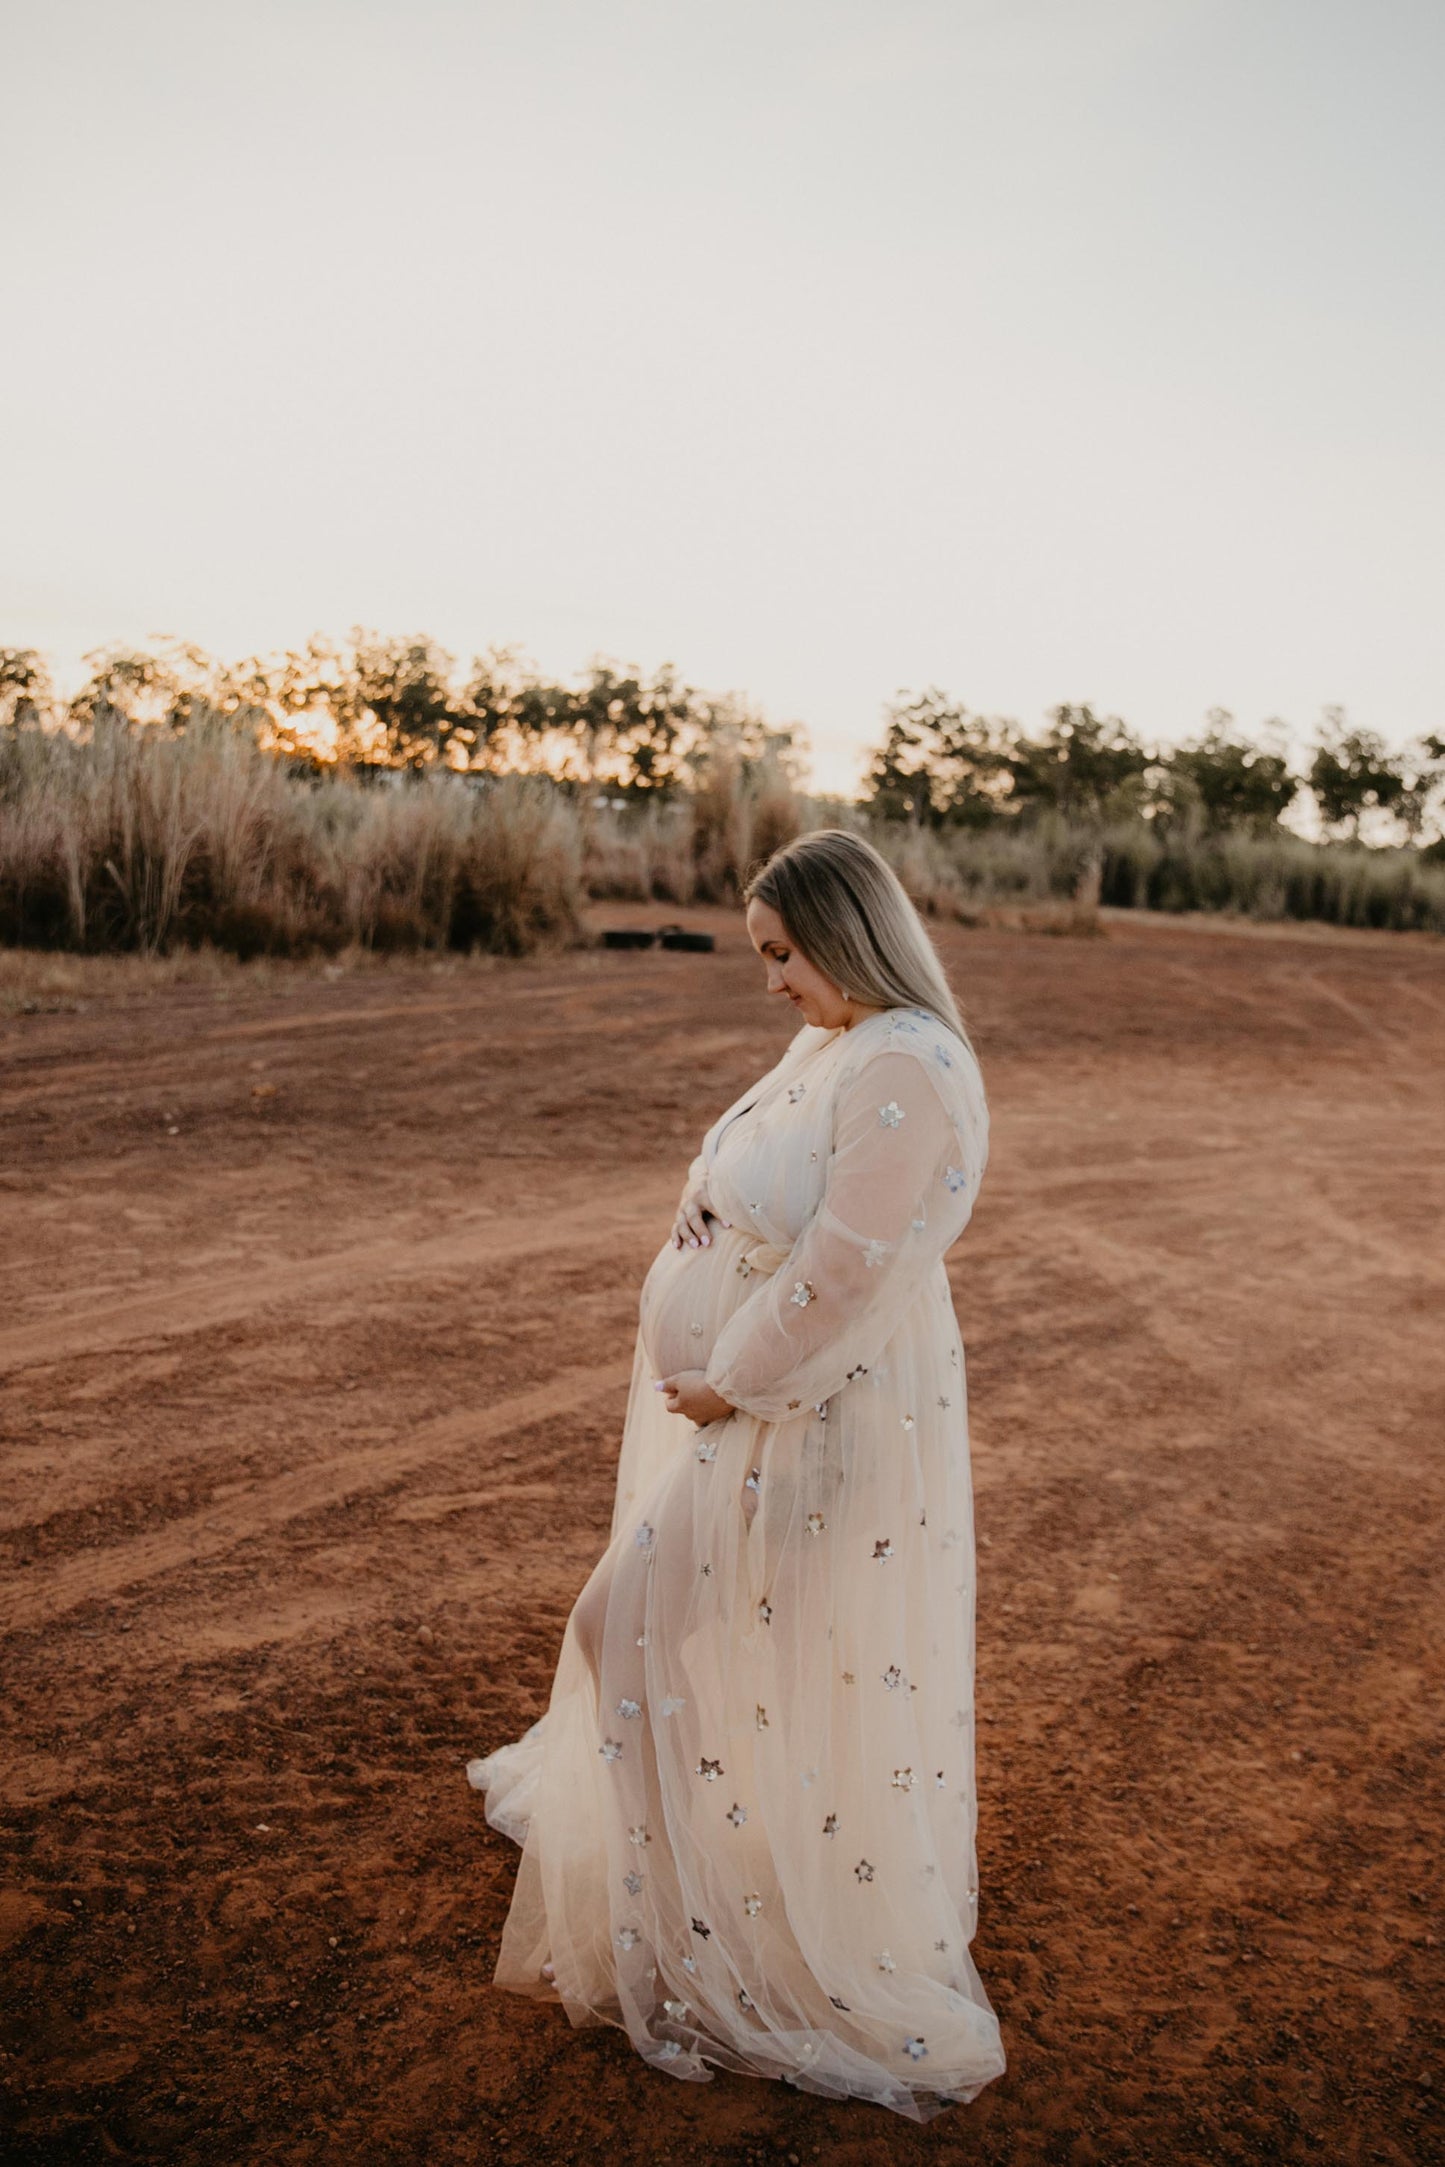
(791, 976)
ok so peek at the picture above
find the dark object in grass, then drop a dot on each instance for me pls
(676, 936)
(627, 937)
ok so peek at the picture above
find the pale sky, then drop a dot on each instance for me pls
(1041, 349)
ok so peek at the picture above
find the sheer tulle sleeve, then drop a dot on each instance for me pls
(904, 1170)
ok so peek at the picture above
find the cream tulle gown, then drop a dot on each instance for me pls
(753, 1845)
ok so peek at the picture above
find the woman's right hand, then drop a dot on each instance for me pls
(690, 1229)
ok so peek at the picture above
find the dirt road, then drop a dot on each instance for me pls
(318, 1304)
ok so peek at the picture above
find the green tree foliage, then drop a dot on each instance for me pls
(1353, 773)
(939, 766)
(1083, 766)
(1232, 783)
(27, 695)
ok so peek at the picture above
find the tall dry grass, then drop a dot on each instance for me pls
(135, 839)
(132, 839)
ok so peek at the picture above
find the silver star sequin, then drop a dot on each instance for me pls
(628, 1937)
(752, 1905)
(891, 1115)
(904, 1779)
(669, 2050)
(638, 1835)
(908, 1422)
(762, 1717)
(883, 1549)
(849, 1678)
(954, 1179)
(944, 1401)
(706, 1448)
(709, 1770)
(863, 1870)
(676, 2012)
(700, 1929)
(672, 1704)
(838, 2003)
(795, 1092)
(610, 1749)
(874, 1254)
(893, 1677)
(632, 1883)
(629, 1709)
(939, 1781)
(736, 1814)
(644, 1537)
(816, 1523)
(755, 1480)
(915, 2048)
(765, 1611)
(830, 1825)
(885, 1961)
(802, 1293)
(941, 1947)
(696, 1330)
(689, 1963)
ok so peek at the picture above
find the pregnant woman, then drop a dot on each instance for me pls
(748, 1814)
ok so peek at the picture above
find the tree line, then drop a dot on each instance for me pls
(372, 703)
(401, 704)
(941, 767)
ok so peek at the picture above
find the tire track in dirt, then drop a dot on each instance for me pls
(628, 1208)
(265, 1507)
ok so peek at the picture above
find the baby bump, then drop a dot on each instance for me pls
(687, 1298)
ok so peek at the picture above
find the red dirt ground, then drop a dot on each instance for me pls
(319, 1298)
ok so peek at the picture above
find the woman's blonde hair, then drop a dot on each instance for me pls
(846, 908)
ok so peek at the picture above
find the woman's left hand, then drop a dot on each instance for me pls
(688, 1393)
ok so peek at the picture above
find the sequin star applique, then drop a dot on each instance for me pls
(885, 1961)
(830, 1826)
(762, 1717)
(890, 1116)
(709, 1770)
(816, 1523)
(944, 1402)
(883, 1550)
(907, 1422)
(700, 1930)
(736, 1814)
(638, 1835)
(796, 1092)
(628, 1937)
(676, 2012)
(673, 1704)
(863, 1870)
(752, 1905)
(629, 1709)
(939, 1781)
(706, 1448)
(611, 1750)
(755, 1480)
(689, 1963)
(632, 1883)
(904, 1779)
(893, 1677)
(849, 1678)
(838, 2004)
(802, 1293)
(644, 1537)
(941, 1947)
(874, 1254)
(855, 1374)
(915, 2049)
(765, 1611)
(954, 1179)
(669, 2050)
